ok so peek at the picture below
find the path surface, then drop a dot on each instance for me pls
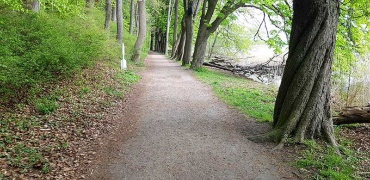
(185, 132)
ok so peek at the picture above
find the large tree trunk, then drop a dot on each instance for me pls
(132, 16)
(189, 28)
(302, 108)
(175, 42)
(119, 21)
(108, 14)
(142, 31)
(200, 46)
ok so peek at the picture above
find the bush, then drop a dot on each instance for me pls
(37, 49)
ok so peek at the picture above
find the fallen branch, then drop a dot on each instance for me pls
(351, 115)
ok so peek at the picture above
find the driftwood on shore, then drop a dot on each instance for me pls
(263, 72)
(351, 115)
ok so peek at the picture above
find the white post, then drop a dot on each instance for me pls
(123, 61)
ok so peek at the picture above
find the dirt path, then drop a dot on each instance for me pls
(180, 130)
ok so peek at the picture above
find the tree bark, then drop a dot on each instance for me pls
(108, 14)
(132, 16)
(175, 43)
(114, 13)
(36, 6)
(189, 28)
(119, 21)
(302, 108)
(142, 31)
(180, 48)
(351, 115)
(168, 27)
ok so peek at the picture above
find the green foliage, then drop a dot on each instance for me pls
(27, 157)
(46, 105)
(40, 49)
(128, 77)
(325, 163)
(253, 99)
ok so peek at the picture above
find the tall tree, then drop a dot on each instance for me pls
(207, 26)
(132, 16)
(168, 26)
(302, 108)
(191, 9)
(175, 25)
(142, 31)
(119, 21)
(108, 13)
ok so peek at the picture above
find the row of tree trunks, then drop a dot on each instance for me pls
(351, 115)
(176, 19)
(158, 41)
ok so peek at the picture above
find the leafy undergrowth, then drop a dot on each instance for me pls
(45, 140)
(315, 160)
(253, 99)
(45, 133)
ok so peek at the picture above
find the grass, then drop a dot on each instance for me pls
(257, 100)
(253, 99)
(323, 162)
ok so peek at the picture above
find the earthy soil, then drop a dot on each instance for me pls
(174, 127)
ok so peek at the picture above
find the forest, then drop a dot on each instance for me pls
(63, 84)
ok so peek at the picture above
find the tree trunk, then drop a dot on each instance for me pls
(114, 13)
(200, 47)
(180, 48)
(152, 41)
(36, 6)
(175, 43)
(119, 21)
(213, 46)
(302, 108)
(108, 14)
(142, 31)
(188, 31)
(168, 27)
(132, 16)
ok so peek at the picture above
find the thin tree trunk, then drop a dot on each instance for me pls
(108, 14)
(180, 49)
(142, 31)
(114, 13)
(119, 21)
(168, 27)
(132, 16)
(152, 41)
(302, 108)
(36, 6)
(175, 43)
(213, 46)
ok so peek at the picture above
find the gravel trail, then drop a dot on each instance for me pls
(183, 131)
